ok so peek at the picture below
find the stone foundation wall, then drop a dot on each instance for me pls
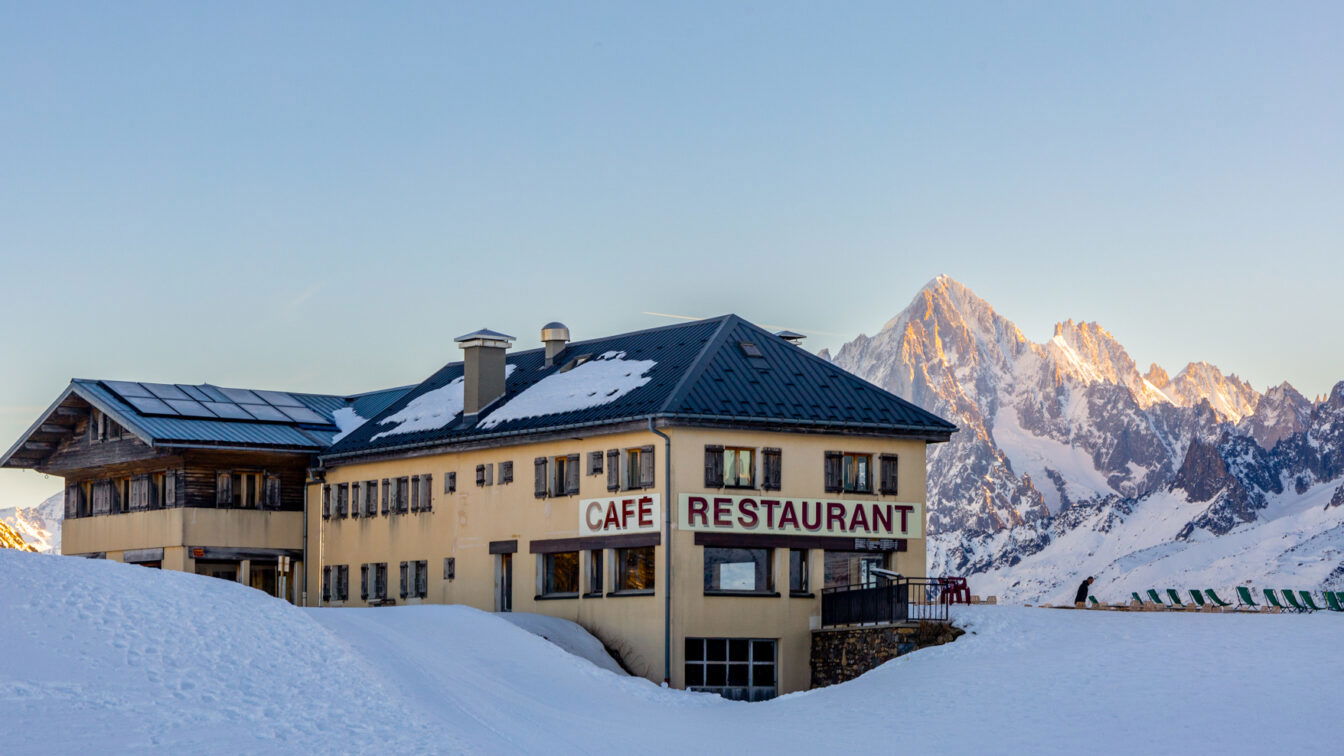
(845, 653)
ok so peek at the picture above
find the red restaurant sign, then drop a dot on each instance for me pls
(614, 515)
(781, 516)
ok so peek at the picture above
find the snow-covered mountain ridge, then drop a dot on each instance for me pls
(1066, 438)
(39, 526)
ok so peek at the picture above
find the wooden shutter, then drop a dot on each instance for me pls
(403, 580)
(403, 493)
(595, 463)
(888, 465)
(326, 502)
(343, 589)
(646, 466)
(326, 583)
(380, 580)
(343, 500)
(713, 466)
(450, 482)
(571, 475)
(223, 488)
(490, 473)
(171, 487)
(356, 498)
(505, 472)
(832, 472)
(72, 494)
(271, 492)
(387, 495)
(613, 469)
(539, 488)
(771, 469)
(364, 581)
(427, 492)
(449, 568)
(414, 503)
(422, 578)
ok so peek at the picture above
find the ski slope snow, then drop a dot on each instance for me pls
(106, 657)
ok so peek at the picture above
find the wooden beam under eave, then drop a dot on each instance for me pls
(38, 446)
(54, 428)
(71, 412)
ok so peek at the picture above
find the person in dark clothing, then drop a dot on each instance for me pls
(1081, 597)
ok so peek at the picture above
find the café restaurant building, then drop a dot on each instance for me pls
(686, 493)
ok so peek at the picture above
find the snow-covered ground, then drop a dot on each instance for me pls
(105, 657)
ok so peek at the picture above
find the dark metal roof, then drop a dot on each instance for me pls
(701, 372)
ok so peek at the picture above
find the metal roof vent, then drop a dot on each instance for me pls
(793, 337)
(750, 349)
(555, 336)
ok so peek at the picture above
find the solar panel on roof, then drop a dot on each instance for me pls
(194, 393)
(165, 391)
(149, 405)
(189, 408)
(241, 396)
(227, 410)
(279, 398)
(304, 415)
(127, 388)
(265, 412)
(214, 394)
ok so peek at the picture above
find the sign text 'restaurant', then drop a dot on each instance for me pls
(781, 516)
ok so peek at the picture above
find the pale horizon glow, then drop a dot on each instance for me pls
(319, 197)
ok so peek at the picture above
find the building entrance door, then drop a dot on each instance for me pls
(262, 577)
(504, 599)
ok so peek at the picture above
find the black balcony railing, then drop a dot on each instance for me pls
(903, 599)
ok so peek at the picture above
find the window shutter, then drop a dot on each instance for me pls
(357, 491)
(272, 497)
(380, 580)
(889, 468)
(72, 501)
(169, 489)
(595, 463)
(326, 502)
(449, 568)
(342, 499)
(343, 584)
(427, 493)
(326, 583)
(364, 581)
(450, 482)
(403, 488)
(403, 579)
(422, 578)
(223, 488)
(539, 487)
(771, 472)
(713, 466)
(613, 469)
(414, 503)
(480, 475)
(832, 472)
(151, 494)
(572, 475)
(505, 472)
(646, 466)
(387, 495)
(490, 473)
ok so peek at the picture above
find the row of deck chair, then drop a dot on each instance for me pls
(1209, 600)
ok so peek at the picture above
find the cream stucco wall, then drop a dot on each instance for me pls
(463, 524)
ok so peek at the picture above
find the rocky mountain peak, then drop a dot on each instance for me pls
(1230, 397)
(1157, 376)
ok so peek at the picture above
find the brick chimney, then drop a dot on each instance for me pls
(482, 368)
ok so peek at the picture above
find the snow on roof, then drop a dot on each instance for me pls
(431, 410)
(596, 382)
(347, 420)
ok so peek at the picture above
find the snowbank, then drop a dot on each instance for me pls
(567, 635)
(110, 657)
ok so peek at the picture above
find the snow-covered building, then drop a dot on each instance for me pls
(574, 480)
(197, 478)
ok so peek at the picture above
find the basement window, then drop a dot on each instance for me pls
(741, 669)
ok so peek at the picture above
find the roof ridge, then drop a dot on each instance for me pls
(700, 364)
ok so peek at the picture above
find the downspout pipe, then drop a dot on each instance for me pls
(667, 552)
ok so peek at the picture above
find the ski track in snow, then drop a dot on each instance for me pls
(108, 657)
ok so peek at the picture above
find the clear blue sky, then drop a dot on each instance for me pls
(321, 196)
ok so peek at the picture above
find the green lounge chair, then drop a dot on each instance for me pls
(1175, 599)
(1245, 598)
(1198, 597)
(1154, 598)
(1332, 601)
(1273, 600)
(1092, 602)
(1291, 599)
(1135, 596)
(1309, 602)
(1214, 598)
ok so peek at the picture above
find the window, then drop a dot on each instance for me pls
(336, 582)
(560, 573)
(742, 669)
(732, 570)
(595, 463)
(326, 502)
(373, 581)
(422, 578)
(414, 579)
(450, 482)
(849, 472)
(739, 469)
(857, 473)
(403, 495)
(595, 577)
(449, 568)
(370, 498)
(563, 478)
(342, 499)
(427, 492)
(414, 501)
(387, 496)
(846, 568)
(485, 475)
(798, 571)
(634, 569)
(639, 468)
(505, 472)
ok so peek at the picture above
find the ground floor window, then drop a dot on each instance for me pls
(742, 669)
(560, 573)
(846, 568)
(595, 572)
(373, 581)
(798, 582)
(223, 570)
(734, 570)
(634, 569)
